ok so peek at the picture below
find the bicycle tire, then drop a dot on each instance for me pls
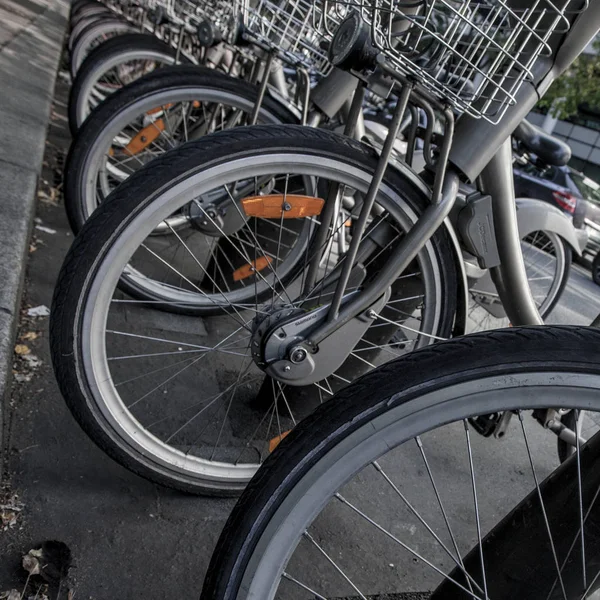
(106, 53)
(501, 353)
(108, 222)
(165, 81)
(82, 44)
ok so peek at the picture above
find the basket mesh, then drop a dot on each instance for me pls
(474, 55)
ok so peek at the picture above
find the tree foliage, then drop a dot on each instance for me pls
(580, 84)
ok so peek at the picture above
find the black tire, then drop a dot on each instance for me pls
(480, 355)
(107, 51)
(137, 193)
(81, 45)
(85, 21)
(164, 80)
(596, 269)
(77, 6)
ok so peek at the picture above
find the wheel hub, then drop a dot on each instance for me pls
(281, 342)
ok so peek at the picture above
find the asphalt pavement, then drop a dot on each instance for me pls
(130, 539)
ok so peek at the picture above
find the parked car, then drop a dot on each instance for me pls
(589, 190)
(556, 185)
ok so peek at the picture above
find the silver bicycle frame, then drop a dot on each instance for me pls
(490, 164)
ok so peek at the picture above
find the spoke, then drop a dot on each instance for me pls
(245, 256)
(402, 544)
(476, 506)
(190, 303)
(574, 543)
(171, 353)
(155, 339)
(196, 404)
(184, 113)
(441, 505)
(334, 564)
(282, 393)
(203, 270)
(181, 370)
(321, 388)
(144, 375)
(353, 353)
(456, 559)
(194, 417)
(543, 506)
(273, 270)
(271, 411)
(169, 128)
(387, 347)
(581, 520)
(316, 595)
(402, 326)
(283, 209)
(187, 280)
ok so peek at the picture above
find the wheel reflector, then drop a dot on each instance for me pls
(145, 137)
(158, 109)
(277, 440)
(288, 206)
(249, 269)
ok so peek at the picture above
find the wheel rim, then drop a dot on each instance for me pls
(545, 264)
(98, 184)
(310, 515)
(94, 317)
(93, 39)
(96, 88)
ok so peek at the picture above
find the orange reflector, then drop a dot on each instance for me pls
(277, 440)
(289, 206)
(196, 103)
(249, 269)
(145, 137)
(111, 151)
(153, 111)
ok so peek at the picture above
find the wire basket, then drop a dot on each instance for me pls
(290, 28)
(473, 54)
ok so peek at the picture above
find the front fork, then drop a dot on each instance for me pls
(510, 277)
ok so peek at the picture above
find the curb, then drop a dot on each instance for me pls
(29, 63)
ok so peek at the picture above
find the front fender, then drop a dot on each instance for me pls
(537, 215)
(462, 293)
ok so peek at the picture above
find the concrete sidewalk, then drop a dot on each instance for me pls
(31, 39)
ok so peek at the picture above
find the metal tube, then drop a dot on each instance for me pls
(277, 79)
(305, 100)
(407, 250)
(440, 173)
(411, 139)
(262, 89)
(369, 201)
(513, 287)
(355, 110)
(179, 44)
(332, 196)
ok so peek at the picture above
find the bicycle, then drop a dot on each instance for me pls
(287, 315)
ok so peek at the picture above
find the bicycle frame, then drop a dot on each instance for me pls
(491, 167)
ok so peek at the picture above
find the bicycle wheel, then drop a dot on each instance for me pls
(112, 65)
(163, 109)
(92, 36)
(117, 360)
(386, 491)
(83, 12)
(547, 259)
(92, 15)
